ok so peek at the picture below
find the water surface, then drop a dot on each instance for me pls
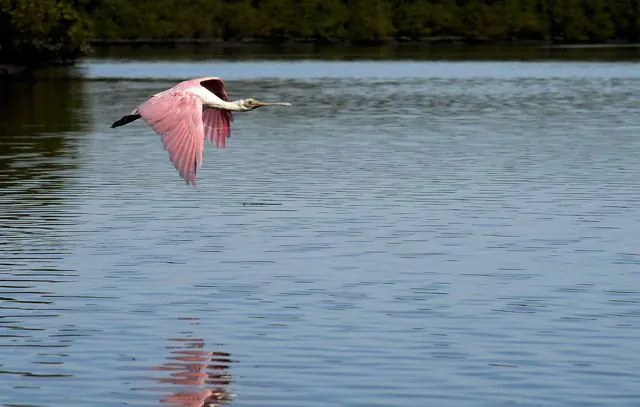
(408, 233)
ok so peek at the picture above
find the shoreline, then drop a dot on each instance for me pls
(267, 41)
(441, 41)
(8, 69)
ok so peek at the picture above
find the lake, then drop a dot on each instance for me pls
(418, 229)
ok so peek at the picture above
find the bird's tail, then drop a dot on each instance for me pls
(126, 119)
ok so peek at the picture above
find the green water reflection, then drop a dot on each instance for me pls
(348, 52)
(38, 119)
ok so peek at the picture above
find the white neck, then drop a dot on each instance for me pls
(234, 106)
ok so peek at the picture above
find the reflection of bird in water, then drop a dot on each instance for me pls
(191, 366)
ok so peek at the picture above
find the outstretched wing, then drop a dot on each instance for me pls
(217, 123)
(177, 116)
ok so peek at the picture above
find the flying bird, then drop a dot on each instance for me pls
(187, 113)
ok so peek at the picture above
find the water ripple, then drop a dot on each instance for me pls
(405, 233)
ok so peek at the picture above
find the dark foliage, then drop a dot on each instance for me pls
(41, 32)
(368, 20)
(36, 33)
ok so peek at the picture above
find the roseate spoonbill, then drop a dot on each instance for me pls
(187, 113)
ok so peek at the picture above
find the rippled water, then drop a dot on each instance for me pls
(406, 234)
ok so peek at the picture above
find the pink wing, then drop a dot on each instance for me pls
(177, 116)
(217, 123)
(217, 126)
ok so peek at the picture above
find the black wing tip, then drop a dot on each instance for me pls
(125, 120)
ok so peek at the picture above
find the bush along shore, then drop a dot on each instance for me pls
(36, 33)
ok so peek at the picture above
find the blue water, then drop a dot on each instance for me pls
(406, 234)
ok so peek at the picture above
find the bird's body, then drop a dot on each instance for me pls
(187, 114)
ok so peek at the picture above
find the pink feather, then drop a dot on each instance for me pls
(177, 116)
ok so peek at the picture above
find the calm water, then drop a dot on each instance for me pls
(409, 233)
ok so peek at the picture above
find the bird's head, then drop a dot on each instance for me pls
(251, 104)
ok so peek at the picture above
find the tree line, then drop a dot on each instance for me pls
(367, 20)
(60, 29)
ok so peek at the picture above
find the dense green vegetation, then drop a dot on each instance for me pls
(46, 31)
(42, 32)
(367, 20)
